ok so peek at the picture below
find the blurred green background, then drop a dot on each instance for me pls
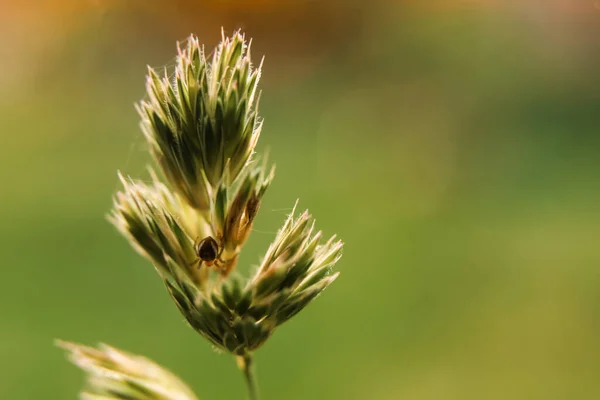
(454, 146)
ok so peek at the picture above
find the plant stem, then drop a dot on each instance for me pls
(245, 363)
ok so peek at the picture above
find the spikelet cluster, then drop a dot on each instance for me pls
(202, 128)
(201, 124)
(113, 374)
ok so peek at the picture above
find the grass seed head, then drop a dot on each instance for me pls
(113, 374)
(202, 127)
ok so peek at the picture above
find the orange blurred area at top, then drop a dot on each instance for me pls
(33, 17)
(49, 8)
(274, 19)
(65, 7)
(191, 9)
(264, 14)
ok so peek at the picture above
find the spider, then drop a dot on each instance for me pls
(208, 252)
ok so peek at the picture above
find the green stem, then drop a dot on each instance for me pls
(245, 363)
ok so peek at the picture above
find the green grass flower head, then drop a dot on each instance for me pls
(115, 374)
(202, 128)
(192, 219)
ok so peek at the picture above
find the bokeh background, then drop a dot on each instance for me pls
(453, 145)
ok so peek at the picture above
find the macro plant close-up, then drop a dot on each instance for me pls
(181, 178)
(192, 219)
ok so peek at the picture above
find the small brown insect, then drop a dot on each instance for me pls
(209, 253)
(207, 250)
